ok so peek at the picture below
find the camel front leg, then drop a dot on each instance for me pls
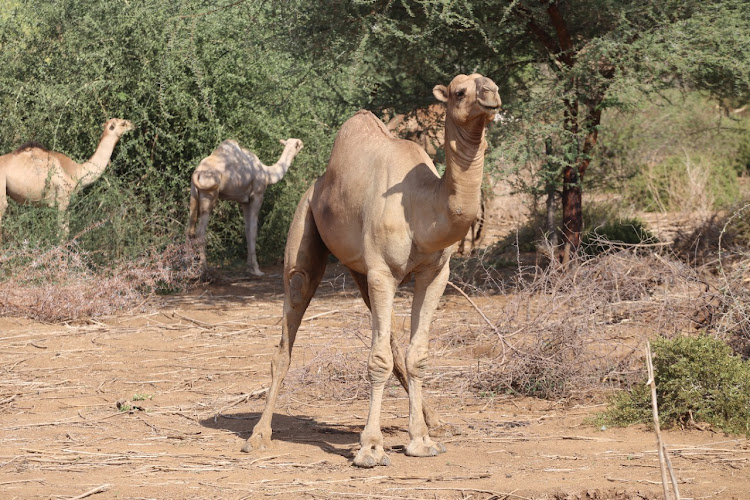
(428, 288)
(437, 427)
(206, 203)
(194, 211)
(381, 288)
(250, 211)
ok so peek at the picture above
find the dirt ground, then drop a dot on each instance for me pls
(157, 404)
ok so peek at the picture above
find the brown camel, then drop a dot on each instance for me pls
(384, 212)
(35, 175)
(233, 173)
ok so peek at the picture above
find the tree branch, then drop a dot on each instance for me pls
(563, 35)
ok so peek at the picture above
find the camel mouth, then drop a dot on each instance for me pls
(489, 105)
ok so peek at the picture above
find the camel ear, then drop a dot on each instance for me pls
(283, 142)
(112, 126)
(441, 93)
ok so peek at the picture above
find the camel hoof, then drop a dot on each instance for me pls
(256, 442)
(368, 458)
(424, 448)
(257, 272)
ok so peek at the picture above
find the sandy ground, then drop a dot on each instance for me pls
(157, 405)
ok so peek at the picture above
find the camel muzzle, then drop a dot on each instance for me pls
(488, 94)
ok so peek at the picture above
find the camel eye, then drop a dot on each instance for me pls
(460, 93)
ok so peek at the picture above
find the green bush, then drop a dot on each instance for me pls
(187, 76)
(629, 231)
(697, 380)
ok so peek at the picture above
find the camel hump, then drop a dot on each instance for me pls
(364, 121)
(29, 145)
(207, 181)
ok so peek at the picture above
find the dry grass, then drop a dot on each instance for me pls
(62, 284)
(551, 333)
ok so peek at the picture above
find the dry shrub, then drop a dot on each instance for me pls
(720, 246)
(574, 331)
(62, 284)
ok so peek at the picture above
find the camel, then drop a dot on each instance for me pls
(233, 173)
(382, 209)
(32, 174)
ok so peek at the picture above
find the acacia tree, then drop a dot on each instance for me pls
(559, 64)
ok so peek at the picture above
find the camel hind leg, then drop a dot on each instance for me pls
(437, 427)
(304, 264)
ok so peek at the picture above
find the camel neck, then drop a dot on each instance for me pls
(95, 166)
(275, 172)
(462, 182)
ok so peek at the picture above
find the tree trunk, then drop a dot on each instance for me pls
(573, 178)
(572, 216)
(551, 207)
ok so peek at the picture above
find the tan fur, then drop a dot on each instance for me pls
(234, 173)
(32, 174)
(384, 212)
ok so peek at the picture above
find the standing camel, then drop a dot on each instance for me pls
(233, 173)
(35, 175)
(383, 211)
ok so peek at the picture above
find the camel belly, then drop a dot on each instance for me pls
(32, 185)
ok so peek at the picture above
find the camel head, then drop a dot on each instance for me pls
(117, 126)
(295, 144)
(469, 98)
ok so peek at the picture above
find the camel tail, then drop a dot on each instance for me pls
(206, 181)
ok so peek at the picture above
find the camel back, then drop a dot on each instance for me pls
(30, 145)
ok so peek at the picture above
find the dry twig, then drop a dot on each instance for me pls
(664, 461)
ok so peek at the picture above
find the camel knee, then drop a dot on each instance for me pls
(380, 366)
(416, 362)
(280, 361)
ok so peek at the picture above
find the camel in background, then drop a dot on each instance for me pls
(382, 209)
(33, 174)
(234, 173)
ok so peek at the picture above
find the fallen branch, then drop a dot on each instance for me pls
(98, 489)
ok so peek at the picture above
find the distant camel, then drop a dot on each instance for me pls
(382, 209)
(233, 173)
(422, 125)
(32, 174)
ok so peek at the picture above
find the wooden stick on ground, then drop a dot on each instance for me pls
(98, 489)
(664, 461)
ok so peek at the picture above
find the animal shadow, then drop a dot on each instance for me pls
(301, 429)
